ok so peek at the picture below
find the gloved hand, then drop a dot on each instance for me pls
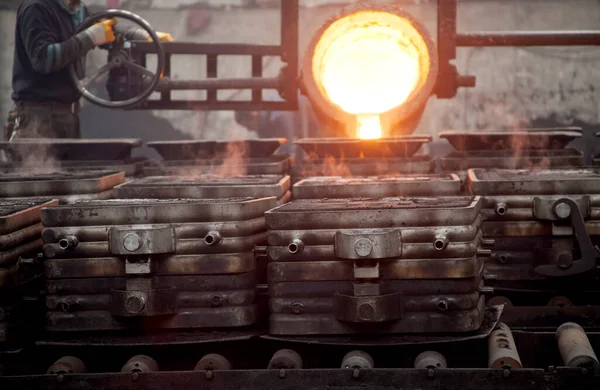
(163, 37)
(102, 33)
(139, 34)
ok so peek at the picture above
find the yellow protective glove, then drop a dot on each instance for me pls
(163, 37)
(102, 33)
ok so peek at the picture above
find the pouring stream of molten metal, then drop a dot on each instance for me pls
(367, 66)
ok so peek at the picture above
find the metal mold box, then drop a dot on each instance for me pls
(510, 159)
(401, 146)
(377, 187)
(313, 214)
(130, 166)
(271, 165)
(59, 184)
(346, 167)
(21, 213)
(146, 264)
(71, 149)
(202, 149)
(156, 211)
(372, 266)
(205, 186)
(548, 139)
(534, 182)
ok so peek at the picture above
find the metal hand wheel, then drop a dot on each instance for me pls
(120, 57)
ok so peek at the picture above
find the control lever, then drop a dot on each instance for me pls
(567, 208)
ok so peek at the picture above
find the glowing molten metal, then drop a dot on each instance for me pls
(368, 63)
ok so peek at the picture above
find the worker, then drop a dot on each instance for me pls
(45, 97)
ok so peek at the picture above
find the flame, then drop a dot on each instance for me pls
(369, 127)
(368, 63)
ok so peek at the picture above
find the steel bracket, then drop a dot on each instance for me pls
(568, 208)
(368, 244)
(140, 303)
(141, 241)
(368, 309)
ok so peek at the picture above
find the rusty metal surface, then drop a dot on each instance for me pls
(272, 165)
(409, 234)
(515, 140)
(232, 263)
(411, 287)
(72, 149)
(21, 236)
(336, 270)
(377, 187)
(401, 146)
(326, 304)
(510, 159)
(183, 300)
(197, 230)
(159, 211)
(218, 283)
(455, 321)
(409, 251)
(98, 320)
(181, 247)
(374, 213)
(202, 149)
(11, 256)
(182, 337)
(20, 213)
(418, 164)
(534, 182)
(130, 166)
(205, 186)
(64, 183)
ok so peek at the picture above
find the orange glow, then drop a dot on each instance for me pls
(368, 63)
(369, 127)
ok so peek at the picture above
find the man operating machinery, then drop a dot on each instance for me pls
(45, 97)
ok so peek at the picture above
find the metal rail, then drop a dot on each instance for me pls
(495, 379)
(449, 80)
(285, 84)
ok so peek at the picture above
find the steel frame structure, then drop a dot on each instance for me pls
(448, 82)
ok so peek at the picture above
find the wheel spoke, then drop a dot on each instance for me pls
(104, 69)
(137, 68)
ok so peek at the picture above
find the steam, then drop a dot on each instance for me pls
(34, 160)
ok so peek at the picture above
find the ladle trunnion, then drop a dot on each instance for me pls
(152, 264)
(388, 265)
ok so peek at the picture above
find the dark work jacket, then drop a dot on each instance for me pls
(45, 46)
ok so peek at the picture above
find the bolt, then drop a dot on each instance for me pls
(135, 376)
(430, 372)
(356, 373)
(209, 375)
(135, 304)
(60, 378)
(564, 260)
(281, 373)
(584, 371)
(562, 210)
(132, 242)
(366, 311)
(363, 247)
(297, 308)
(506, 373)
(216, 300)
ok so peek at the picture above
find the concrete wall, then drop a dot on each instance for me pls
(515, 86)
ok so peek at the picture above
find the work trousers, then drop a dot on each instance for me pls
(42, 120)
